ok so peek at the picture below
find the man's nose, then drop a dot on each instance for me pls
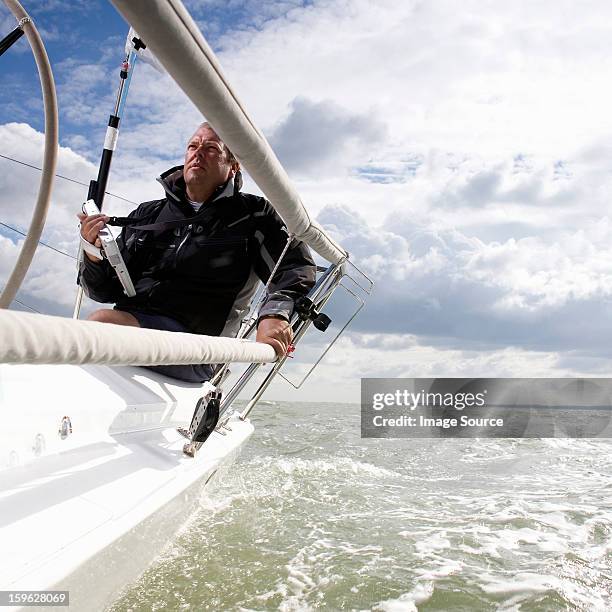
(200, 152)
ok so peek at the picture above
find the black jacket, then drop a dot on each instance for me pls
(204, 274)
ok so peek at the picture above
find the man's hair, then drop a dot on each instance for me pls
(230, 156)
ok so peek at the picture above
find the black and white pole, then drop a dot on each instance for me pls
(97, 188)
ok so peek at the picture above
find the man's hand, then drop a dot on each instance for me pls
(275, 332)
(90, 228)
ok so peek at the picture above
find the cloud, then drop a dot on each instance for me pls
(216, 17)
(436, 75)
(54, 6)
(314, 134)
(80, 96)
(450, 290)
(50, 284)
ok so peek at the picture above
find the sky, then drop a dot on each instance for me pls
(460, 153)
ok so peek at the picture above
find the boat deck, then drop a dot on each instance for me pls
(89, 510)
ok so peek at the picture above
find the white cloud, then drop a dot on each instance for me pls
(452, 290)
(316, 134)
(78, 91)
(55, 6)
(487, 76)
(50, 284)
(19, 184)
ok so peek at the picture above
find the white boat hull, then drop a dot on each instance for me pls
(88, 511)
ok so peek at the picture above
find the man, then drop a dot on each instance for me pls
(197, 260)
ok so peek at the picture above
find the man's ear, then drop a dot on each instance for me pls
(238, 180)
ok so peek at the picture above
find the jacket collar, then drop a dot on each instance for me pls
(174, 185)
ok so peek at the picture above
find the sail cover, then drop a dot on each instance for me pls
(43, 339)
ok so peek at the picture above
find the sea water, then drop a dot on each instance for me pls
(311, 516)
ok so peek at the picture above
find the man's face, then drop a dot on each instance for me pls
(206, 160)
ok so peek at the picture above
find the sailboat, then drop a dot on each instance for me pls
(101, 461)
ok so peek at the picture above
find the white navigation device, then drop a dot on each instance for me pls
(110, 251)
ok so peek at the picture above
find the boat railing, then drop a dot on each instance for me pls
(319, 296)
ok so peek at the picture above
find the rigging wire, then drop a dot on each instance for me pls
(66, 178)
(49, 246)
(26, 306)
